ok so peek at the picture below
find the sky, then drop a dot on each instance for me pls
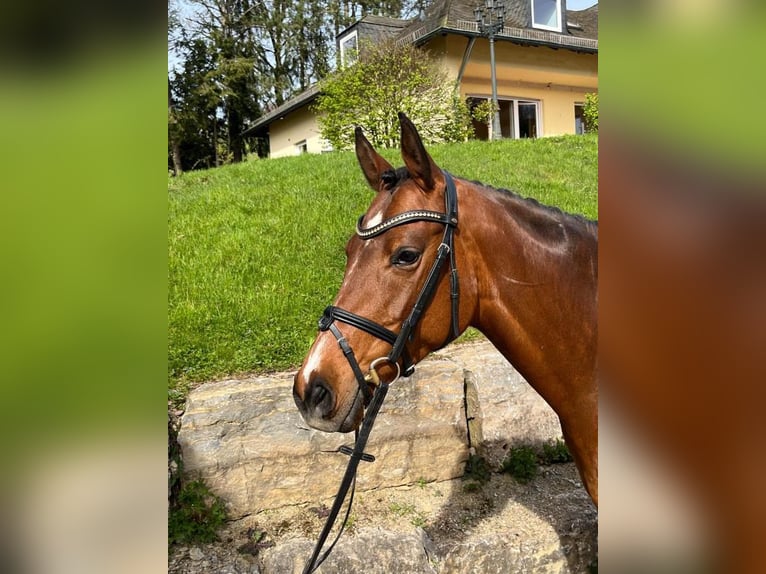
(580, 4)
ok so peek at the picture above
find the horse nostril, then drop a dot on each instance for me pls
(320, 397)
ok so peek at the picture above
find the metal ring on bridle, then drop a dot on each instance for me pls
(374, 373)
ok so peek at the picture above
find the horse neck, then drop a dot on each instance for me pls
(534, 280)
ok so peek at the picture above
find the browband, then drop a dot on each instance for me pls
(401, 219)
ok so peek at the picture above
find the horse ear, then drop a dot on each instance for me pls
(421, 166)
(372, 163)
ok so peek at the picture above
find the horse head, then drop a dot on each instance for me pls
(389, 261)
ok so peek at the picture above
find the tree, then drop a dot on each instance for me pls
(388, 78)
(226, 27)
(174, 132)
(235, 59)
(194, 99)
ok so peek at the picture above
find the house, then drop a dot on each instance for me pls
(546, 62)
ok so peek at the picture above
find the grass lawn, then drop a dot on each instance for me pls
(256, 249)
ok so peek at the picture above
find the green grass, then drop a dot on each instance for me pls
(256, 250)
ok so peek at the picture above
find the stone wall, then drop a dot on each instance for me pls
(247, 441)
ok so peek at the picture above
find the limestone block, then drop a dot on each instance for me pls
(371, 550)
(247, 441)
(504, 409)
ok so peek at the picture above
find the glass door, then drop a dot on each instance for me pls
(527, 122)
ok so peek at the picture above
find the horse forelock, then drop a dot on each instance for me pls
(393, 177)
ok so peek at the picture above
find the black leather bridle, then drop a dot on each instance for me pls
(398, 342)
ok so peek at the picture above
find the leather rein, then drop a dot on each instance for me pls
(398, 342)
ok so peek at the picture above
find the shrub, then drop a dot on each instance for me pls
(483, 111)
(477, 472)
(385, 80)
(590, 113)
(521, 463)
(196, 515)
(556, 453)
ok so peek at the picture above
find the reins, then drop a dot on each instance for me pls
(398, 342)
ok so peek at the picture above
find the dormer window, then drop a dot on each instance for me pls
(349, 48)
(546, 14)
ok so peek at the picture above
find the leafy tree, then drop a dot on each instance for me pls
(388, 78)
(590, 113)
(240, 58)
(226, 28)
(194, 99)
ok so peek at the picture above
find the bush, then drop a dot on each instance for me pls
(590, 113)
(477, 472)
(196, 515)
(385, 80)
(483, 112)
(556, 453)
(521, 463)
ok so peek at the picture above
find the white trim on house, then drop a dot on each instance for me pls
(344, 40)
(541, 26)
(579, 125)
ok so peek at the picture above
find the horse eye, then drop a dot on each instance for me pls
(405, 256)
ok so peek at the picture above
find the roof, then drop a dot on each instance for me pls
(456, 16)
(378, 21)
(586, 20)
(305, 97)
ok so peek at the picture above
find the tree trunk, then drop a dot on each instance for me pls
(175, 145)
(177, 166)
(215, 142)
(236, 145)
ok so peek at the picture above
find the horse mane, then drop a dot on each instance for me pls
(545, 214)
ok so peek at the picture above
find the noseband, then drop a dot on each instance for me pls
(399, 341)
(398, 344)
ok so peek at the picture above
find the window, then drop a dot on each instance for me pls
(301, 147)
(546, 14)
(349, 48)
(519, 118)
(579, 111)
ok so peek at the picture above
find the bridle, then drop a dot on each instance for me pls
(398, 342)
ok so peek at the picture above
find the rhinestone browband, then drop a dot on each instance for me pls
(402, 218)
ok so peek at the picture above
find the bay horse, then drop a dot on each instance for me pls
(523, 274)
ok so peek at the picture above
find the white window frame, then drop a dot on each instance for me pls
(514, 100)
(515, 132)
(538, 116)
(580, 105)
(556, 28)
(341, 43)
(301, 147)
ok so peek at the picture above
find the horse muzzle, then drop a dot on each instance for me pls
(323, 409)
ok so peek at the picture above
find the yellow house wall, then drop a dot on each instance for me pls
(286, 133)
(556, 78)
